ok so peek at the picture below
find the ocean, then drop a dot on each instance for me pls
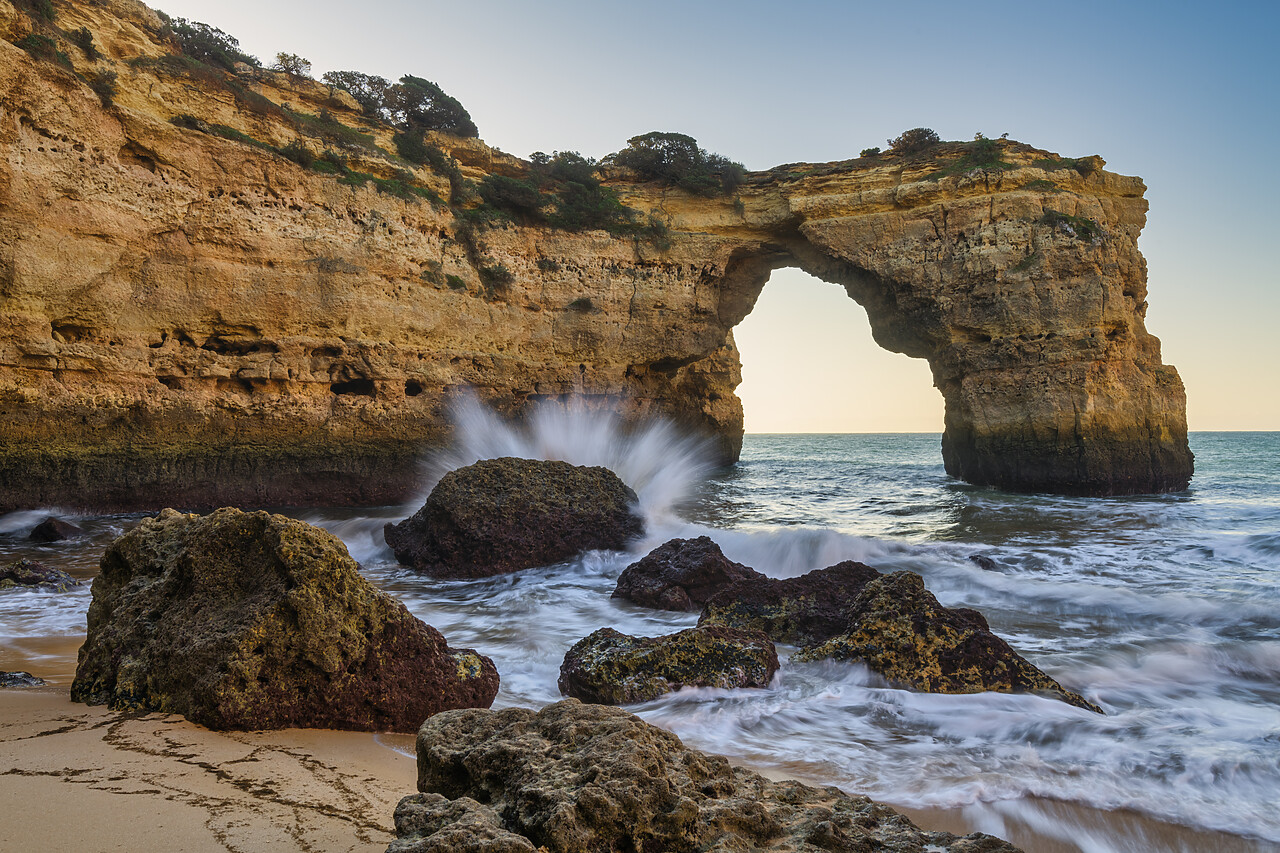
(1164, 610)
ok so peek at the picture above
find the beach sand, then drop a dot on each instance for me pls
(80, 778)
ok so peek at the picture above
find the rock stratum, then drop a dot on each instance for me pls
(188, 317)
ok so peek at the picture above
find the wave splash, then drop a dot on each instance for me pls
(660, 462)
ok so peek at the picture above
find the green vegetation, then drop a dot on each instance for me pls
(676, 160)
(496, 279)
(418, 104)
(548, 265)
(1077, 226)
(103, 85)
(869, 152)
(582, 303)
(83, 39)
(292, 64)
(521, 199)
(369, 91)
(914, 141)
(210, 45)
(455, 282)
(1043, 186)
(981, 153)
(1026, 263)
(42, 9)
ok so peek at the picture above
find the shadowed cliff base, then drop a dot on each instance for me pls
(265, 289)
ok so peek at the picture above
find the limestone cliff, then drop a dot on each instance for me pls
(190, 318)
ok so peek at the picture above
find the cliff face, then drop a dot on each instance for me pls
(190, 318)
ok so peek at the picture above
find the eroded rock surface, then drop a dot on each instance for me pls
(30, 574)
(899, 630)
(680, 574)
(799, 611)
(20, 679)
(613, 668)
(188, 332)
(576, 778)
(502, 515)
(256, 621)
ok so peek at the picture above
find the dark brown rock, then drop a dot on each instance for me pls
(612, 668)
(19, 679)
(430, 823)
(680, 574)
(503, 515)
(899, 630)
(54, 530)
(29, 574)
(256, 621)
(576, 778)
(801, 611)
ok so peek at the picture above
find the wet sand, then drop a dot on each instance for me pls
(81, 778)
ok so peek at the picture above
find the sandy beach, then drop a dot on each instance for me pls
(90, 778)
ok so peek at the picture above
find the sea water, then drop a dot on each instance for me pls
(1164, 610)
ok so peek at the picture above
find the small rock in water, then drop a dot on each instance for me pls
(680, 574)
(613, 668)
(19, 679)
(899, 630)
(54, 530)
(503, 515)
(809, 609)
(29, 574)
(576, 778)
(983, 561)
(257, 621)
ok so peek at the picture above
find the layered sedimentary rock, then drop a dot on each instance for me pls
(188, 317)
(575, 778)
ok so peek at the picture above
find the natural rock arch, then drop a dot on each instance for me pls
(214, 324)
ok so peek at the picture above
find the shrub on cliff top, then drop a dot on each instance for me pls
(210, 44)
(676, 159)
(292, 64)
(418, 104)
(520, 198)
(370, 91)
(913, 141)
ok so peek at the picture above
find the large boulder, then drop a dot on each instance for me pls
(30, 574)
(54, 530)
(502, 515)
(576, 778)
(899, 630)
(613, 668)
(800, 611)
(256, 621)
(680, 574)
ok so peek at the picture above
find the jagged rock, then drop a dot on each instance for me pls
(613, 668)
(899, 630)
(29, 574)
(19, 679)
(800, 611)
(576, 778)
(255, 387)
(430, 823)
(54, 530)
(502, 515)
(256, 621)
(680, 574)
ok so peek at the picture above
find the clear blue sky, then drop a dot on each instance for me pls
(1186, 96)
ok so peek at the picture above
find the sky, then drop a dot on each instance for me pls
(1185, 95)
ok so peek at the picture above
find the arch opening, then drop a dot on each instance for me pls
(810, 364)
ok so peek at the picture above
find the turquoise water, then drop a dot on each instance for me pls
(1164, 610)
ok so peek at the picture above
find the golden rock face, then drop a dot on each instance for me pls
(189, 317)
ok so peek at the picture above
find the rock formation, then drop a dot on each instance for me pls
(256, 621)
(898, 629)
(800, 611)
(29, 574)
(575, 778)
(612, 668)
(680, 574)
(199, 320)
(502, 515)
(54, 530)
(20, 679)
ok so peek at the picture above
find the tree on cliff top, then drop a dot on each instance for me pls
(210, 45)
(369, 90)
(291, 63)
(914, 140)
(415, 103)
(676, 159)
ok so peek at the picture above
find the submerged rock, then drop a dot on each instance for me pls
(680, 574)
(54, 530)
(502, 515)
(29, 574)
(800, 611)
(576, 778)
(19, 679)
(612, 668)
(899, 630)
(257, 621)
